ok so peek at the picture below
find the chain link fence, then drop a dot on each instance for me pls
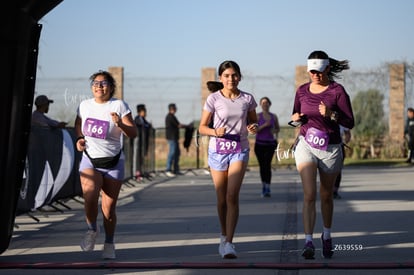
(157, 92)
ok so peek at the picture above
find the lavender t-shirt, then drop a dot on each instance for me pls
(335, 98)
(230, 113)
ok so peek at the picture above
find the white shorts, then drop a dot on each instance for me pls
(329, 161)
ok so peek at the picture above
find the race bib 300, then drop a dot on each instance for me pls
(317, 138)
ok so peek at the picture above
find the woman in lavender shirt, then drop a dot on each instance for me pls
(320, 106)
(234, 118)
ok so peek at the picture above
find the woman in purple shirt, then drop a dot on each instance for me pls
(266, 143)
(320, 107)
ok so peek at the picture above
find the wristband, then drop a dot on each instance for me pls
(334, 116)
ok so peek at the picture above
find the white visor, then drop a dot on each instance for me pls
(317, 64)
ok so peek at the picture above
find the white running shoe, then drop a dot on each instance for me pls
(221, 246)
(229, 251)
(108, 251)
(170, 174)
(88, 242)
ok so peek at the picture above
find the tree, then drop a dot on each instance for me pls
(369, 115)
(370, 124)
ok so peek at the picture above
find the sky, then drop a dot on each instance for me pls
(175, 38)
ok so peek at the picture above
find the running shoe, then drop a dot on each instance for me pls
(221, 246)
(327, 251)
(88, 242)
(170, 174)
(108, 252)
(308, 251)
(263, 192)
(267, 192)
(229, 251)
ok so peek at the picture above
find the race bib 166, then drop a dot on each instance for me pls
(96, 128)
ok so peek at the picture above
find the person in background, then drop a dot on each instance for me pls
(39, 118)
(325, 104)
(409, 134)
(144, 128)
(228, 154)
(266, 143)
(172, 134)
(143, 125)
(100, 125)
(345, 137)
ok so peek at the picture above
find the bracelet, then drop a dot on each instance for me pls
(81, 137)
(334, 116)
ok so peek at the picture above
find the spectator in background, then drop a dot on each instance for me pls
(39, 118)
(144, 130)
(172, 134)
(409, 134)
(141, 122)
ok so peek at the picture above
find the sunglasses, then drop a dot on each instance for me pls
(315, 72)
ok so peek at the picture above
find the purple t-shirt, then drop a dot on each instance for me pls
(335, 98)
(230, 113)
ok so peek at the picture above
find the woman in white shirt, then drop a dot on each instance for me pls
(100, 124)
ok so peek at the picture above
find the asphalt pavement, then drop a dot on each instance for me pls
(170, 226)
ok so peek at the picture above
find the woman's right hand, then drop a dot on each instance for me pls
(297, 116)
(220, 131)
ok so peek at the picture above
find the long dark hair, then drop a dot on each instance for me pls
(335, 65)
(214, 86)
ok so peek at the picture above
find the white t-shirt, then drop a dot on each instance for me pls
(103, 138)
